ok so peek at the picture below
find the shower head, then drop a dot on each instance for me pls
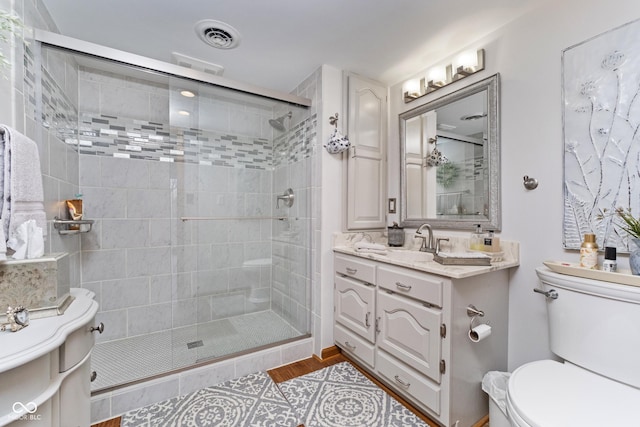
(279, 122)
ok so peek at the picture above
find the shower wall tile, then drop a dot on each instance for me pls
(185, 258)
(160, 232)
(211, 282)
(124, 233)
(125, 293)
(159, 175)
(184, 312)
(104, 202)
(148, 318)
(92, 241)
(148, 204)
(123, 173)
(90, 171)
(115, 325)
(204, 309)
(148, 261)
(103, 265)
(58, 159)
(160, 289)
(227, 306)
(184, 286)
(243, 278)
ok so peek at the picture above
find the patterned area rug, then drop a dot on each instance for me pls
(253, 400)
(340, 396)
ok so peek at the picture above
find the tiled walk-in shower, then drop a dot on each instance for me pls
(195, 254)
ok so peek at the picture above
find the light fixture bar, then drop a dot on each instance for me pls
(462, 70)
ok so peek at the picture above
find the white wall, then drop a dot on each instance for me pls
(527, 54)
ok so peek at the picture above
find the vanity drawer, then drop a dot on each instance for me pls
(356, 268)
(77, 345)
(421, 286)
(409, 382)
(354, 345)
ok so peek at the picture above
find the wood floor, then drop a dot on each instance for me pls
(303, 367)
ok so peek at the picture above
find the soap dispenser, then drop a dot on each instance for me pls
(476, 241)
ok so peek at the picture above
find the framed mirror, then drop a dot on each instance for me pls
(450, 160)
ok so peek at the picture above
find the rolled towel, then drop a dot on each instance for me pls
(370, 248)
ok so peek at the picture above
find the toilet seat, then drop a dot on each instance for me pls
(547, 393)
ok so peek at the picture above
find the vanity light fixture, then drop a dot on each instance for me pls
(187, 93)
(413, 88)
(465, 64)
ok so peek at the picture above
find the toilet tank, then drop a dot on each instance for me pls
(595, 324)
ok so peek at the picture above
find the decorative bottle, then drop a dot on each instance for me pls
(476, 241)
(589, 252)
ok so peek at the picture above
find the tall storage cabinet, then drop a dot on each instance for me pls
(418, 342)
(366, 164)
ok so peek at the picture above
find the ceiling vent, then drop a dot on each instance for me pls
(197, 64)
(218, 34)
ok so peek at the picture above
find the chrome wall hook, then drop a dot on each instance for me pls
(530, 183)
(333, 120)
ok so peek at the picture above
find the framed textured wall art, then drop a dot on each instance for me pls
(601, 124)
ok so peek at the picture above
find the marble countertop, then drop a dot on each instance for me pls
(408, 256)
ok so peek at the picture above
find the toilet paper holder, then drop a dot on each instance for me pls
(474, 313)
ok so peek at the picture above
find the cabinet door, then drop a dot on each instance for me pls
(410, 332)
(354, 306)
(366, 170)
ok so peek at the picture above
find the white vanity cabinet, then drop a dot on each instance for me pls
(45, 368)
(419, 345)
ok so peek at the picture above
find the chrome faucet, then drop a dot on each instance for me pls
(426, 246)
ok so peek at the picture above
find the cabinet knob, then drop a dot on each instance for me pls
(99, 328)
(94, 375)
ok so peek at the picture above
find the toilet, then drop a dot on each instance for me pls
(594, 327)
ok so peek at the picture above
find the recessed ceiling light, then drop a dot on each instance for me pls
(187, 93)
(184, 113)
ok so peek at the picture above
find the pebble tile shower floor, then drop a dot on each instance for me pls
(131, 359)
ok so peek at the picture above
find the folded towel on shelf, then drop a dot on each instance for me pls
(23, 196)
(368, 247)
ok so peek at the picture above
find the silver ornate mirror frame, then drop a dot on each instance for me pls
(491, 219)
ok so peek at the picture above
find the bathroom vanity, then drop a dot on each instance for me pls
(45, 368)
(405, 319)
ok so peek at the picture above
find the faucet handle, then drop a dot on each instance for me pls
(438, 240)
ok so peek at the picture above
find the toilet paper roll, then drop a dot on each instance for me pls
(480, 332)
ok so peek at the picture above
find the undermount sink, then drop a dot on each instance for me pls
(409, 256)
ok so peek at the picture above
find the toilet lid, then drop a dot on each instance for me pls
(547, 393)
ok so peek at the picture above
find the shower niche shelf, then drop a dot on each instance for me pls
(72, 226)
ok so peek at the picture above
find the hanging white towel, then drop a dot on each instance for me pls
(23, 197)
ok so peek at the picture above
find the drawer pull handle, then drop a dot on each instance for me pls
(402, 383)
(351, 270)
(349, 346)
(366, 319)
(99, 328)
(403, 287)
(94, 375)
